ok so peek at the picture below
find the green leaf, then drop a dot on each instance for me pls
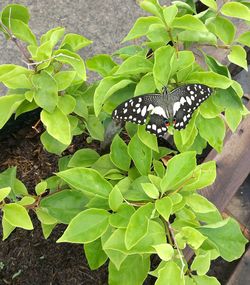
(51, 144)
(119, 153)
(233, 118)
(223, 28)
(66, 104)
(47, 229)
(170, 274)
(179, 168)
(210, 78)
(64, 205)
(8, 105)
(95, 128)
(4, 192)
(236, 10)
(21, 30)
(86, 180)
(138, 225)
(148, 139)
(195, 36)
(44, 217)
(64, 79)
(83, 157)
(41, 187)
(134, 65)
(189, 22)
(210, 3)
(107, 87)
(74, 42)
(46, 92)
(165, 251)
(212, 130)
(145, 85)
(164, 58)
(157, 33)
(17, 216)
(169, 14)
(121, 218)
(238, 56)
(216, 66)
(101, 63)
(115, 199)
(94, 253)
(228, 238)
(244, 39)
(52, 36)
(201, 263)
(193, 237)
(86, 227)
(140, 154)
(206, 176)
(7, 228)
(151, 190)
(205, 280)
(57, 125)
(123, 276)
(209, 109)
(200, 204)
(152, 6)
(156, 235)
(164, 207)
(141, 27)
(72, 59)
(15, 11)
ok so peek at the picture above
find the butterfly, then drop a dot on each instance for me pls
(159, 111)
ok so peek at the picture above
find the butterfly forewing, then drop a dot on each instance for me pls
(186, 99)
(156, 125)
(137, 109)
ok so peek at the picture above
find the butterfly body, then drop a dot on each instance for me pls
(162, 109)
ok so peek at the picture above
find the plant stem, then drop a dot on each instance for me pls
(177, 248)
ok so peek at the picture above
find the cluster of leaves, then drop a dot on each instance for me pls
(133, 202)
(53, 81)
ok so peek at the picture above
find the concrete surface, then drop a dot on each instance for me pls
(106, 22)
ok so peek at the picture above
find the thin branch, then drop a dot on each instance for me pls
(177, 248)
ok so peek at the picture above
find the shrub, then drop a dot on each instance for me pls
(140, 199)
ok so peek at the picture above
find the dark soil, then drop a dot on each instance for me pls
(26, 258)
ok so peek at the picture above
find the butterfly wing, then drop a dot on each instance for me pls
(156, 125)
(185, 100)
(137, 109)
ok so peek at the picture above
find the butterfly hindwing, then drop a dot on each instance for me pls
(156, 125)
(186, 99)
(137, 109)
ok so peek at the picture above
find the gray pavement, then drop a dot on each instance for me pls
(106, 22)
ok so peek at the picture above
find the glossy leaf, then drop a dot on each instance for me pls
(74, 42)
(227, 236)
(119, 153)
(8, 105)
(238, 56)
(169, 14)
(165, 251)
(189, 22)
(123, 276)
(17, 216)
(64, 79)
(138, 225)
(179, 168)
(4, 192)
(140, 154)
(148, 139)
(95, 128)
(170, 274)
(101, 63)
(86, 227)
(236, 10)
(57, 125)
(51, 144)
(94, 253)
(86, 180)
(84, 158)
(141, 27)
(164, 207)
(64, 205)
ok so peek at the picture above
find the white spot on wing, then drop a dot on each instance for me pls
(138, 110)
(154, 127)
(182, 101)
(189, 100)
(150, 107)
(143, 111)
(159, 111)
(176, 107)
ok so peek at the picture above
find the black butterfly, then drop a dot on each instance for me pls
(158, 111)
